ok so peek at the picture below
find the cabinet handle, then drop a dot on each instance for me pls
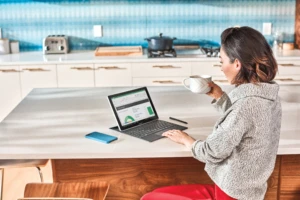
(285, 79)
(217, 65)
(82, 68)
(111, 68)
(288, 65)
(36, 69)
(222, 81)
(164, 66)
(8, 70)
(166, 82)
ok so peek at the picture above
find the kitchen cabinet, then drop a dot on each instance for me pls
(113, 74)
(75, 75)
(37, 76)
(10, 89)
(160, 73)
(17, 81)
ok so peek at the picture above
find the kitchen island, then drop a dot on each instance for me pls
(51, 123)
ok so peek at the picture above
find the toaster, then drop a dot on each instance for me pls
(55, 44)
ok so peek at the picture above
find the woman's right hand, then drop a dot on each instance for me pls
(216, 91)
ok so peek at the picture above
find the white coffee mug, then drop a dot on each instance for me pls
(198, 84)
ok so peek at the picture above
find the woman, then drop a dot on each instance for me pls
(240, 153)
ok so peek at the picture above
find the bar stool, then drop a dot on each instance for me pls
(8, 163)
(96, 190)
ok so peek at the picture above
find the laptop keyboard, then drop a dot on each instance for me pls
(150, 128)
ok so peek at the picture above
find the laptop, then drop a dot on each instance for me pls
(136, 115)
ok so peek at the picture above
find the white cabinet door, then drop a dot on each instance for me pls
(37, 76)
(10, 89)
(75, 75)
(161, 69)
(118, 74)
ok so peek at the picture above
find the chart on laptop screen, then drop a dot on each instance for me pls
(133, 107)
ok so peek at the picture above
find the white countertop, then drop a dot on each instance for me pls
(52, 123)
(88, 57)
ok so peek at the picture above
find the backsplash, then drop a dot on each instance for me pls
(128, 22)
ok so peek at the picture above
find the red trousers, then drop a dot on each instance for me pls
(187, 192)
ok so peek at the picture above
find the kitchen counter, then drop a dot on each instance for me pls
(88, 57)
(52, 123)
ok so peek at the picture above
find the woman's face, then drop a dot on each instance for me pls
(229, 69)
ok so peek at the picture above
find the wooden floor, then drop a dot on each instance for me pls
(15, 180)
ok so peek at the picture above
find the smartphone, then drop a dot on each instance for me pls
(101, 137)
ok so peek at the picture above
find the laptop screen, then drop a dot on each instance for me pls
(132, 108)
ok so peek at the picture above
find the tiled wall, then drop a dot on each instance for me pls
(128, 22)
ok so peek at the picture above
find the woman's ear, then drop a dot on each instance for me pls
(237, 64)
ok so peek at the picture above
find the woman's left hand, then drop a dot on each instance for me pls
(180, 137)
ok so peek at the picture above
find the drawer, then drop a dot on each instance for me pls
(157, 81)
(207, 68)
(75, 75)
(113, 74)
(160, 69)
(288, 67)
(287, 79)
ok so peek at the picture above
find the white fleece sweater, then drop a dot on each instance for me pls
(241, 151)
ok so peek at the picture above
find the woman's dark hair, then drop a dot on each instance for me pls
(254, 53)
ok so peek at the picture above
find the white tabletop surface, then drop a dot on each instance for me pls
(37, 57)
(52, 123)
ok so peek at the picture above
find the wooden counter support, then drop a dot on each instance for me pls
(290, 177)
(131, 178)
